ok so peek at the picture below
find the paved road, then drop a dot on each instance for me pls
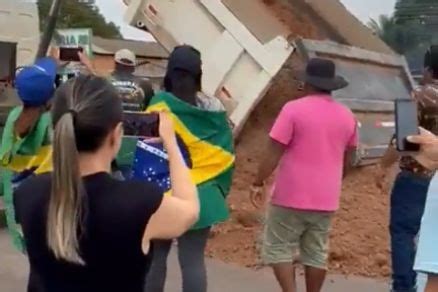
(222, 277)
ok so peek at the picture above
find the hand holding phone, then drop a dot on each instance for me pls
(406, 117)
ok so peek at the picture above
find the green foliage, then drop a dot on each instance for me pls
(411, 30)
(78, 15)
(423, 12)
(401, 38)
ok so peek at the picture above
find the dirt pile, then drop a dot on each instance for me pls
(359, 238)
(296, 16)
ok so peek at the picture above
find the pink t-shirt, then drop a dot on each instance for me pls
(317, 131)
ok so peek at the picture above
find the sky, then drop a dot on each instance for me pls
(363, 9)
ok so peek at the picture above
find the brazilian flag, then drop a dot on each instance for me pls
(20, 159)
(206, 142)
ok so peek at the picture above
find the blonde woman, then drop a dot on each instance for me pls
(85, 231)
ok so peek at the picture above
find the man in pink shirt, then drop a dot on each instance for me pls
(312, 141)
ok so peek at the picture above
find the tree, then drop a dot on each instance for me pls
(424, 15)
(402, 38)
(76, 14)
(411, 30)
(424, 12)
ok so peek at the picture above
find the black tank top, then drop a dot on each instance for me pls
(118, 213)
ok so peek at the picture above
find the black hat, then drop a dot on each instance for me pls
(185, 58)
(321, 73)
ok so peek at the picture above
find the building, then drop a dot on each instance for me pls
(151, 57)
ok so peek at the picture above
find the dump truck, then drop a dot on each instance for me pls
(247, 45)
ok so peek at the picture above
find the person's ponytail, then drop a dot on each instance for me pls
(65, 205)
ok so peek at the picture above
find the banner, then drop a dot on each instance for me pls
(75, 37)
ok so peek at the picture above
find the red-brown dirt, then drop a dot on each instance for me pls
(359, 238)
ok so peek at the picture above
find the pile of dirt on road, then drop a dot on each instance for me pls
(359, 239)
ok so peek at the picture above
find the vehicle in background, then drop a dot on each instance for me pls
(376, 80)
(239, 64)
(242, 55)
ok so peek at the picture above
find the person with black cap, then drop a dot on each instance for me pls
(183, 83)
(184, 77)
(312, 142)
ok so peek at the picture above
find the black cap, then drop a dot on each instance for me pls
(185, 58)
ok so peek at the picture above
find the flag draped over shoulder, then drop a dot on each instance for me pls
(20, 159)
(206, 142)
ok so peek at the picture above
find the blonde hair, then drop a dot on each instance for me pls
(85, 110)
(65, 206)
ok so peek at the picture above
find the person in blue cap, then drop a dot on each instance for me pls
(25, 146)
(35, 86)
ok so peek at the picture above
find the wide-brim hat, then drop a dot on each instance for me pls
(321, 73)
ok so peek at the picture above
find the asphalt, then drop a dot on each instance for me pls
(221, 277)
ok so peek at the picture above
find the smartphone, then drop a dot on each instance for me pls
(69, 54)
(62, 78)
(140, 124)
(406, 124)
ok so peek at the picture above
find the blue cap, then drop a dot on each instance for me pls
(36, 84)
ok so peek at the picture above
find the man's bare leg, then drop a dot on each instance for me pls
(432, 283)
(285, 274)
(314, 279)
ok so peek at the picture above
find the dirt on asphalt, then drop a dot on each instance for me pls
(359, 237)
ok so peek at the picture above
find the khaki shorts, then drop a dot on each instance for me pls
(290, 232)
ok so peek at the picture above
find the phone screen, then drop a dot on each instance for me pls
(70, 54)
(140, 124)
(406, 114)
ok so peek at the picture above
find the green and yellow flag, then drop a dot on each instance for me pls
(21, 158)
(206, 142)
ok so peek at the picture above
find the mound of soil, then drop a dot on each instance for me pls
(359, 241)
(359, 238)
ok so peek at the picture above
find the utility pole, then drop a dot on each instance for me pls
(49, 29)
